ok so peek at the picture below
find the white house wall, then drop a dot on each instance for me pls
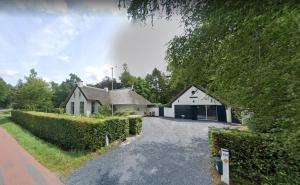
(199, 98)
(77, 99)
(169, 112)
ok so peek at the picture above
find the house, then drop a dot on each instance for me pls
(88, 100)
(196, 103)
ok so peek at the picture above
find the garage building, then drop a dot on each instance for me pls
(195, 103)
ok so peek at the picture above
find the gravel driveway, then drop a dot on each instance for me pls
(168, 152)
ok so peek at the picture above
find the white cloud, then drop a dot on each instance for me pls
(46, 79)
(7, 73)
(54, 37)
(95, 74)
(64, 58)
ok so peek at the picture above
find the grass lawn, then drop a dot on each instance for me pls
(55, 159)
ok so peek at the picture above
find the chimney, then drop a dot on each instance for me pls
(80, 83)
(106, 89)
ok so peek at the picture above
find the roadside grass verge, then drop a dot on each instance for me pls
(55, 159)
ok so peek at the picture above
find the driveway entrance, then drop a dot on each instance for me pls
(169, 151)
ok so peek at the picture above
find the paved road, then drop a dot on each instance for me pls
(17, 167)
(168, 152)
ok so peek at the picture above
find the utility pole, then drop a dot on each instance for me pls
(112, 88)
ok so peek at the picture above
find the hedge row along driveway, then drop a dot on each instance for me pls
(76, 132)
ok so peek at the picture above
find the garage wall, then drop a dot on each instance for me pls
(199, 98)
(169, 112)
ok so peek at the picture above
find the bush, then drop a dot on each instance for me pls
(73, 132)
(125, 113)
(258, 158)
(135, 124)
(105, 110)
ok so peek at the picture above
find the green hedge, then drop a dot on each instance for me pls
(257, 158)
(135, 124)
(73, 132)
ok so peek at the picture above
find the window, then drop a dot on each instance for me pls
(79, 94)
(72, 107)
(93, 107)
(81, 107)
(74, 95)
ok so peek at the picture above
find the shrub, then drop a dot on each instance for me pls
(73, 132)
(259, 158)
(135, 124)
(125, 113)
(105, 110)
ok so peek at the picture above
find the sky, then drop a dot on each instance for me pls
(57, 37)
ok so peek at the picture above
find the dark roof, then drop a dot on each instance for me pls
(118, 96)
(127, 97)
(95, 94)
(187, 88)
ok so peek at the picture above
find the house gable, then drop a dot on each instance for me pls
(79, 97)
(194, 96)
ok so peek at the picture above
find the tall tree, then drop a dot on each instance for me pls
(158, 83)
(142, 87)
(5, 94)
(35, 94)
(126, 78)
(244, 52)
(106, 82)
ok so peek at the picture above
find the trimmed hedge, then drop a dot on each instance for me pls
(135, 124)
(257, 158)
(73, 132)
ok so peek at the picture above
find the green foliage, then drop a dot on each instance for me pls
(107, 83)
(61, 91)
(159, 86)
(54, 158)
(70, 132)
(142, 87)
(135, 124)
(105, 110)
(126, 78)
(34, 94)
(248, 55)
(258, 158)
(5, 94)
(125, 113)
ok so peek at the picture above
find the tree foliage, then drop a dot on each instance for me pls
(245, 52)
(159, 88)
(61, 91)
(5, 94)
(35, 94)
(107, 83)
(126, 78)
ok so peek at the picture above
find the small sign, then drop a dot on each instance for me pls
(225, 160)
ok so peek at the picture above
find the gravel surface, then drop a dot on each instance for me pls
(168, 152)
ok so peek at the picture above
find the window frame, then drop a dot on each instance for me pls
(72, 107)
(81, 107)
